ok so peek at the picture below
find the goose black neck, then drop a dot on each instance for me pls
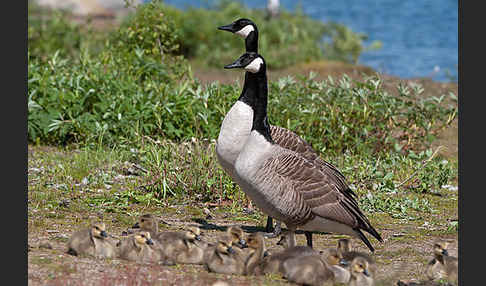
(251, 41)
(255, 94)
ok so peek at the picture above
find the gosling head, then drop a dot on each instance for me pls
(344, 245)
(224, 245)
(143, 238)
(440, 248)
(193, 233)
(251, 62)
(237, 235)
(98, 230)
(360, 266)
(334, 257)
(255, 241)
(146, 222)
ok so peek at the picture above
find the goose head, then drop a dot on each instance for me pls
(193, 233)
(247, 29)
(98, 230)
(344, 245)
(333, 257)
(146, 222)
(224, 245)
(143, 238)
(242, 27)
(251, 62)
(360, 266)
(255, 241)
(440, 248)
(238, 236)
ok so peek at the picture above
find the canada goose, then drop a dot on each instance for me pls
(443, 265)
(238, 236)
(282, 183)
(223, 258)
(360, 274)
(182, 246)
(335, 262)
(236, 127)
(92, 241)
(344, 248)
(256, 250)
(138, 247)
(307, 270)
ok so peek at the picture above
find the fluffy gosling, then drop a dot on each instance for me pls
(92, 241)
(360, 273)
(442, 266)
(223, 258)
(139, 247)
(182, 246)
(307, 270)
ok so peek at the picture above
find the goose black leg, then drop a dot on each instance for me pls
(269, 226)
(308, 236)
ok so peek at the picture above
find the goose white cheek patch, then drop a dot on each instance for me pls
(245, 31)
(254, 66)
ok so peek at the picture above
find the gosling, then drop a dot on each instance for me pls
(344, 248)
(182, 247)
(139, 247)
(147, 222)
(273, 262)
(254, 257)
(223, 258)
(360, 273)
(336, 263)
(238, 236)
(92, 241)
(307, 270)
(443, 266)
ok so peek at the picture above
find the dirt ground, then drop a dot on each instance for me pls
(403, 255)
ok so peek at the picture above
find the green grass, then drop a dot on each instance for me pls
(103, 180)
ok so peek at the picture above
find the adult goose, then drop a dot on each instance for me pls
(284, 184)
(237, 123)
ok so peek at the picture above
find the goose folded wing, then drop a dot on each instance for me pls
(291, 141)
(318, 190)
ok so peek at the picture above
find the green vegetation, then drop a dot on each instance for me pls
(290, 39)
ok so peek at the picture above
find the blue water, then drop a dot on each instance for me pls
(419, 37)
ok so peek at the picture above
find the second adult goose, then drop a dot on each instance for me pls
(284, 184)
(237, 124)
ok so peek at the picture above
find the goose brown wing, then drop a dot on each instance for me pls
(319, 191)
(291, 141)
